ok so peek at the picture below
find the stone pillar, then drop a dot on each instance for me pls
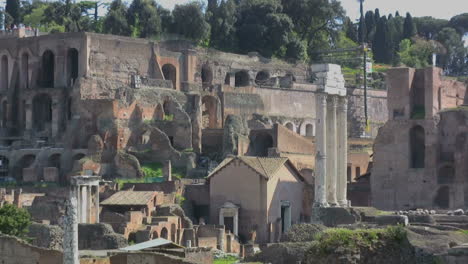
(28, 110)
(84, 204)
(167, 170)
(320, 199)
(96, 204)
(236, 223)
(342, 152)
(70, 228)
(331, 150)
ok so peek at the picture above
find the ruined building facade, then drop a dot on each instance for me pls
(68, 96)
(420, 154)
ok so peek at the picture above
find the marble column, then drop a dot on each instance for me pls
(320, 199)
(342, 152)
(70, 228)
(84, 204)
(96, 203)
(332, 150)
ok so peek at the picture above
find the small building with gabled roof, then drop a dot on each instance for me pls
(256, 198)
(124, 201)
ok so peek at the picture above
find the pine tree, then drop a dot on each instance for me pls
(115, 21)
(409, 28)
(13, 9)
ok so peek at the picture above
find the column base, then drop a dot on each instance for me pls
(343, 203)
(321, 205)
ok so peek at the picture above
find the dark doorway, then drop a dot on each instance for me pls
(72, 66)
(229, 224)
(260, 144)
(42, 112)
(242, 79)
(25, 70)
(47, 69)
(442, 199)
(170, 73)
(164, 233)
(4, 76)
(417, 147)
(206, 75)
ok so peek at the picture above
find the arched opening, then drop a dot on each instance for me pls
(25, 162)
(309, 130)
(54, 161)
(289, 126)
(4, 68)
(164, 233)
(4, 113)
(155, 235)
(47, 69)
(261, 143)
(442, 199)
(167, 107)
(170, 73)
(417, 147)
(158, 113)
(42, 112)
(25, 70)
(72, 66)
(206, 75)
(209, 110)
(262, 78)
(227, 79)
(132, 237)
(446, 175)
(4, 163)
(242, 79)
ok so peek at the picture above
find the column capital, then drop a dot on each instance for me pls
(343, 104)
(322, 98)
(333, 101)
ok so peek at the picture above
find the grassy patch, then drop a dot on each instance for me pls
(333, 238)
(152, 170)
(168, 117)
(465, 232)
(226, 260)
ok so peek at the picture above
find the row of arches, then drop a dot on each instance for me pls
(46, 77)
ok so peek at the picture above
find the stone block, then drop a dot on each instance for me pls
(29, 175)
(421, 219)
(392, 220)
(334, 216)
(51, 174)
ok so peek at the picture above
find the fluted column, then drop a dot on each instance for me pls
(342, 151)
(320, 199)
(331, 151)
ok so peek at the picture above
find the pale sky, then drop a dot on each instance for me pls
(435, 8)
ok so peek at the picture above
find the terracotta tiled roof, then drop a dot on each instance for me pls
(267, 167)
(129, 198)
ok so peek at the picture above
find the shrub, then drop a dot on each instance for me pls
(302, 233)
(14, 221)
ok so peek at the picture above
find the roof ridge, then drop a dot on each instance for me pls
(263, 168)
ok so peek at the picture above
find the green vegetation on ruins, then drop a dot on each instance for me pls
(152, 173)
(14, 221)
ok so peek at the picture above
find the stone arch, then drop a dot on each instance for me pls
(164, 233)
(206, 75)
(242, 79)
(42, 111)
(4, 165)
(47, 69)
(25, 70)
(261, 143)
(442, 198)
(209, 112)
(170, 73)
(4, 76)
(72, 65)
(155, 234)
(27, 161)
(417, 147)
(262, 77)
(446, 175)
(54, 160)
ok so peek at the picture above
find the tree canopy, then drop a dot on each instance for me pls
(14, 221)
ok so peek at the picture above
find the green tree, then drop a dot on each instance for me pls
(454, 60)
(409, 28)
(14, 221)
(428, 27)
(115, 21)
(189, 22)
(350, 29)
(460, 23)
(362, 23)
(415, 53)
(262, 27)
(370, 25)
(143, 17)
(223, 26)
(12, 7)
(383, 43)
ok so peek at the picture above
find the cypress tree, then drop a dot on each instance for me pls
(409, 28)
(370, 25)
(13, 9)
(376, 15)
(397, 14)
(380, 41)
